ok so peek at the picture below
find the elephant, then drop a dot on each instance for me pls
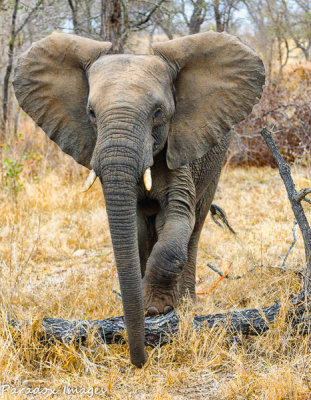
(154, 129)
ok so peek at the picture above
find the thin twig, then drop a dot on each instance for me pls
(147, 17)
(215, 269)
(211, 289)
(30, 14)
(301, 195)
(227, 276)
(291, 246)
(254, 266)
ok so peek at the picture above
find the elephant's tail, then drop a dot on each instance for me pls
(220, 218)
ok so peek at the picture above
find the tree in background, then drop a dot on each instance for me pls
(112, 23)
(113, 20)
(273, 27)
(224, 13)
(280, 26)
(297, 14)
(15, 30)
(219, 13)
(198, 10)
(269, 28)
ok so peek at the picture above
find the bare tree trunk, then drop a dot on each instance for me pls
(305, 50)
(269, 62)
(9, 66)
(307, 54)
(89, 18)
(151, 39)
(166, 30)
(298, 42)
(196, 19)
(14, 32)
(74, 12)
(217, 14)
(282, 63)
(111, 24)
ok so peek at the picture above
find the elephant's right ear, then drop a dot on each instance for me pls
(51, 86)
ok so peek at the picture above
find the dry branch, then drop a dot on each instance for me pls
(295, 200)
(291, 246)
(301, 195)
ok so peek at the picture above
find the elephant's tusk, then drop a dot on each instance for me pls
(147, 179)
(89, 181)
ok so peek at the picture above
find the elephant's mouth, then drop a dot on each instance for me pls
(149, 207)
(92, 178)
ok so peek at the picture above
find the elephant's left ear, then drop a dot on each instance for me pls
(219, 79)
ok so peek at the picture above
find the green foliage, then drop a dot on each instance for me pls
(12, 170)
(13, 166)
(33, 160)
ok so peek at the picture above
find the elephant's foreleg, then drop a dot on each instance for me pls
(146, 238)
(142, 233)
(186, 286)
(174, 226)
(187, 281)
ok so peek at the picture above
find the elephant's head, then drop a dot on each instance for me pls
(114, 113)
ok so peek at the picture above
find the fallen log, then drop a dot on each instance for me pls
(160, 330)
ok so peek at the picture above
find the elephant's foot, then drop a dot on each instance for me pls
(159, 299)
(160, 283)
(186, 288)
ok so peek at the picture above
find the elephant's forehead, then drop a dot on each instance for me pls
(131, 67)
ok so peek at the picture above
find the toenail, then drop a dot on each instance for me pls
(152, 311)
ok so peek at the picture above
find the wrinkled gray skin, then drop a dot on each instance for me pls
(155, 234)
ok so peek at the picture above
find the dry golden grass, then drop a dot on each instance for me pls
(57, 261)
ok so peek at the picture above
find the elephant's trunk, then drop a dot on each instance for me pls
(121, 203)
(117, 164)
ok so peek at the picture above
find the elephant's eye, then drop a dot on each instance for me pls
(158, 113)
(91, 113)
(155, 137)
